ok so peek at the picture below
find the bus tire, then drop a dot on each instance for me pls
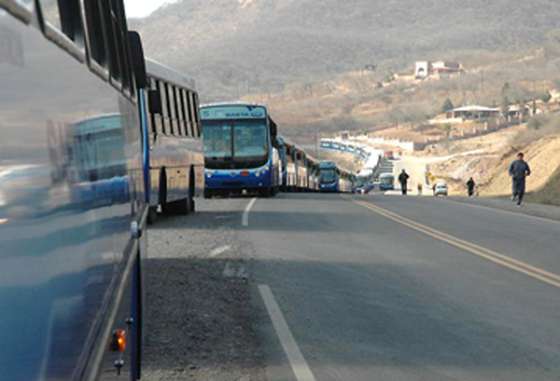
(165, 207)
(152, 215)
(179, 207)
(192, 182)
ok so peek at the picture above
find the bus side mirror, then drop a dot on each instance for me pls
(154, 102)
(138, 60)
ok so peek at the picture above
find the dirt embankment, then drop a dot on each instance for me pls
(543, 157)
(488, 157)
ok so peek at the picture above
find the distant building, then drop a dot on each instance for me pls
(474, 112)
(422, 70)
(425, 69)
(445, 67)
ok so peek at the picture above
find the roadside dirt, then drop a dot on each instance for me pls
(199, 320)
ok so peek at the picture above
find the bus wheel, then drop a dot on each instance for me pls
(152, 215)
(191, 202)
(165, 206)
(182, 207)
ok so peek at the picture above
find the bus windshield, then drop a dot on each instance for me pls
(250, 140)
(232, 144)
(328, 175)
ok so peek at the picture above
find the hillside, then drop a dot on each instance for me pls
(236, 47)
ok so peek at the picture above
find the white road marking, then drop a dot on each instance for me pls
(245, 217)
(505, 211)
(230, 271)
(295, 357)
(219, 250)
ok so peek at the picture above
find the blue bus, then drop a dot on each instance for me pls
(72, 193)
(328, 177)
(175, 157)
(334, 179)
(386, 182)
(239, 152)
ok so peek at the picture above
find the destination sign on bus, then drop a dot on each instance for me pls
(233, 112)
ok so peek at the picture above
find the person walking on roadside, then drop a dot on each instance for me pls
(403, 180)
(470, 187)
(519, 170)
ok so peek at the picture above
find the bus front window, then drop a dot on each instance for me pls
(250, 140)
(217, 141)
(328, 176)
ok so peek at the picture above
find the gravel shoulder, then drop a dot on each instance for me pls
(199, 318)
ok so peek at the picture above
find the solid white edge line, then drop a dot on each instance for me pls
(295, 357)
(245, 217)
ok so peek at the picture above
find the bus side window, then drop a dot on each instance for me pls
(189, 100)
(184, 117)
(169, 108)
(121, 40)
(109, 26)
(164, 114)
(160, 119)
(196, 116)
(65, 16)
(97, 45)
(152, 119)
(177, 100)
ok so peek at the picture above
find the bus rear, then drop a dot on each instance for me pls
(238, 152)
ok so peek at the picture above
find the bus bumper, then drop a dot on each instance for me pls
(238, 180)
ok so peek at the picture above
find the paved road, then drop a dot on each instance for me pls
(392, 288)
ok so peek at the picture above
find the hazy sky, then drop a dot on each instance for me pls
(142, 8)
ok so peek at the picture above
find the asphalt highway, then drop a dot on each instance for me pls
(392, 288)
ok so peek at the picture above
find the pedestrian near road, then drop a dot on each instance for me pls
(419, 186)
(403, 180)
(519, 170)
(470, 187)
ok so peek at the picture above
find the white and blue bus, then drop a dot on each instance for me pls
(329, 177)
(239, 154)
(386, 182)
(175, 157)
(72, 192)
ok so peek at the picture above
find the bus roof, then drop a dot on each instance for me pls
(234, 103)
(160, 71)
(386, 175)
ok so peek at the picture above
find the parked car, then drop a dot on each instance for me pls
(440, 189)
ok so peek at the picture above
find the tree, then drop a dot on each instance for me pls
(505, 106)
(546, 97)
(447, 105)
(447, 129)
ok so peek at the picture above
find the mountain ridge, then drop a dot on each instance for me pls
(234, 47)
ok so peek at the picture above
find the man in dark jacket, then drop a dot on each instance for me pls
(470, 187)
(403, 179)
(519, 170)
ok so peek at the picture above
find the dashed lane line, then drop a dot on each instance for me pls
(482, 252)
(245, 217)
(219, 250)
(295, 357)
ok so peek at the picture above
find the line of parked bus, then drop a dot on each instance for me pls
(96, 140)
(245, 153)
